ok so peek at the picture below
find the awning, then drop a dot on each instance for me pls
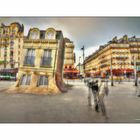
(98, 72)
(122, 70)
(71, 71)
(9, 70)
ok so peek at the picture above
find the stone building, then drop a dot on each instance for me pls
(41, 64)
(11, 42)
(69, 69)
(120, 53)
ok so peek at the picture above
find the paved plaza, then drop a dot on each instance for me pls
(122, 105)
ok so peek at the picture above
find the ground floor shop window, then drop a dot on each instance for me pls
(25, 80)
(43, 80)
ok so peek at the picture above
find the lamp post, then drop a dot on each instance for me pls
(135, 71)
(112, 84)
(5, 53)
(83, 49)
(79, 65)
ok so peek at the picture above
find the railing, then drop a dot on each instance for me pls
(29, 60)
(121, 57)
(94, 68)
(137, 63)
(46, 61)
(104, 60)
(104, 65)
(135, 51)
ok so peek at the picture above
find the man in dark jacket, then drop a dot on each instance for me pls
(93, 86)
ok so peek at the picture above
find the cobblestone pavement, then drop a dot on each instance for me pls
(122, 105)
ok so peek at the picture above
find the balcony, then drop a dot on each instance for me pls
(94, 68)
(46, 61)
(4, 43)
(135, 51)
(40, 40)
(137, 63)
(29, 60)
(121, 57)
(103, 65)
(104, 60)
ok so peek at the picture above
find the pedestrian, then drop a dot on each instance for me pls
(138, 89)
(89, 84)
(103, 90)
(93, 87)
(95, 90)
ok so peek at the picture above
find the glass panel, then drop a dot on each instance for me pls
(28, 79)
(46, 59)
(25, 80)
(43, 80)
(30, 57)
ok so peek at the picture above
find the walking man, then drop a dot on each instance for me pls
(93, 90)
(102, 92)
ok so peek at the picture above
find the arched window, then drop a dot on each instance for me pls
(34, 35)
(50, 33)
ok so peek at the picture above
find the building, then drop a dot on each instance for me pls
(69, 69)
(11, 43)
(121, 54)
(41, 63)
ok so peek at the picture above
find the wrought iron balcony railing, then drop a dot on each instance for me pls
(121, 57)
(137, 63)
(135, 51)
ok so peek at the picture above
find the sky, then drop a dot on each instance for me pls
(88, 31)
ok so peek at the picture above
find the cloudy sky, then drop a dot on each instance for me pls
(88, 31)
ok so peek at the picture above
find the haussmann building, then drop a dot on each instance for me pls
(41, 65)
(11, 43)
(121, 54)
(70, 70)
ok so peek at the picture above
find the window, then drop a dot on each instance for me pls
(46, 59)
(43, 80)
(12, 65)
(30, 57)
(34, 35)
(50, 35)
(25, 80)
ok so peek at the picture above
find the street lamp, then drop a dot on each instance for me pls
(135, 71)
(83, 49)
(112, 84)
(5, 52)
(79, 64)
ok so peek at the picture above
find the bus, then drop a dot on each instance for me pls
(8, 74)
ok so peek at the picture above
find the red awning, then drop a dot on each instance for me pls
(98, 72)
(71, 71)
(121, 70)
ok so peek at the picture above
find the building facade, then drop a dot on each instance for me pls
(11, 43)
(121, 54)
(41, 63)
(69, 62)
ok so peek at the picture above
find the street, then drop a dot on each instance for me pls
(122, 105)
